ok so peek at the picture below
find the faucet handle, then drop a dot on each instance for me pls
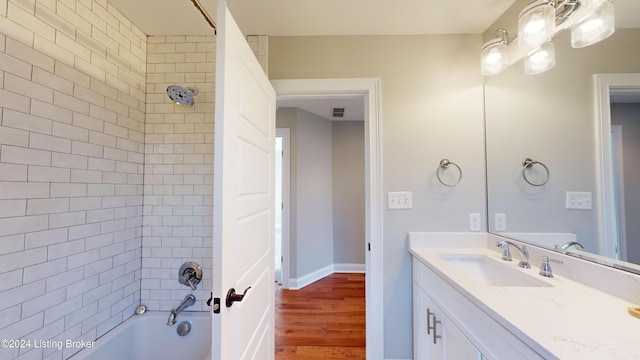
(545, 267)
(506, 253)
(190, 274)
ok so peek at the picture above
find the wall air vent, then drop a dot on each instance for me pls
(338, 112)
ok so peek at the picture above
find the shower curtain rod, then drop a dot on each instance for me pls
(204, 13)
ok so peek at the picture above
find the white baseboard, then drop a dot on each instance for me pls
(299, 283)
(349, 268)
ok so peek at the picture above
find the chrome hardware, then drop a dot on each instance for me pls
(190, 274)
(444, 164)
(435, 325)
(565, 247)
(233, 297)
(184, 328)
(527, 163)
(188, 301)
(141, 310)
(524, 253)
(429, 315)
(545, 268)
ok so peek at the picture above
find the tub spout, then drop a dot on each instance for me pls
(188, 301)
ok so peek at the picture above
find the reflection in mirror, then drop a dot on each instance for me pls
(551, 118)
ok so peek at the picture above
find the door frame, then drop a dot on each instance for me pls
(604, 85)
(285, 233)
(370, 89)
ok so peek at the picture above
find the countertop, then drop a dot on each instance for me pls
(568, 320)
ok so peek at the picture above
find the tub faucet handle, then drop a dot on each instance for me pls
(190, 274)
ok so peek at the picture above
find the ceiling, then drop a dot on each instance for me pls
(318, 17)
(334, 17)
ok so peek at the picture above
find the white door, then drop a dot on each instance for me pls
(243, 199)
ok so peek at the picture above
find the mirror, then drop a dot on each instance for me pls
(551, 118)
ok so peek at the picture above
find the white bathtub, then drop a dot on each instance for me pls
(147, 337)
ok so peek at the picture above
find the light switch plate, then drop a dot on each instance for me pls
(579, 200)
(399, 200)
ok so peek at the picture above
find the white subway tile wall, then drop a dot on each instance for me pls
(178, 174)
(72, 123)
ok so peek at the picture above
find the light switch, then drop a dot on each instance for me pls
(399, 200)
(578, 200)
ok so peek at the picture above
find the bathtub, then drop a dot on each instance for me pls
(147, 337)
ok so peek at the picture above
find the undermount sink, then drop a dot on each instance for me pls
(489, 272)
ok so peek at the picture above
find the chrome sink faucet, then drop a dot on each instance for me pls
(506, 254)
(188, 301)
(565, 247)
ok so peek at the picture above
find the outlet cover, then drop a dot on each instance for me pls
(474, 222)
(500, 222)
(399, 200)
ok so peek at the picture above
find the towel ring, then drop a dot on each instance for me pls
(528, 163)
(444, 164)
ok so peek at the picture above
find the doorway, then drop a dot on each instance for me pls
(282, 206)
(607, 88)
(370, 89)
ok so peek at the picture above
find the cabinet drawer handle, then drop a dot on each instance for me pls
(435, 324)
(429, 315)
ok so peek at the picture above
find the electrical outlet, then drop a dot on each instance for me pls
(578, 200)
(474, 222)
(399, 200)
(500, 222)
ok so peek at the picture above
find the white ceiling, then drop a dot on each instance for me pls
(334, 17)
(322, 106)
(316, 17)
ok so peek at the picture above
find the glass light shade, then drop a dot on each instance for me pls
(540, 60)
(592, 4)
(594, 28)
(493, 57)
(536, 25)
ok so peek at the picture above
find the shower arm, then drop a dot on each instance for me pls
(204, 13)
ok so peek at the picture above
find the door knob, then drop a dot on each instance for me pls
(233, 297)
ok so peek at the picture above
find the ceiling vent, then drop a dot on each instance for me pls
(338, 112)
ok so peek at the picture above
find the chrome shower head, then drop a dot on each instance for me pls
(181, 96)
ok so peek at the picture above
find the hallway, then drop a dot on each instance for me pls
(323, 321)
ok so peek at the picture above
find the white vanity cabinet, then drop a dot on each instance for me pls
(462, 329)
(434, 335)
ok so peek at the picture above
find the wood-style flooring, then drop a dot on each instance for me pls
(322, 321)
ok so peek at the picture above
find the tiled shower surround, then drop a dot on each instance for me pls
(105, 185)
(178, 174)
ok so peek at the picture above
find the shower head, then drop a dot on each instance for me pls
(182, 96)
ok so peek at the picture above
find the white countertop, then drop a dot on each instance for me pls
(568, 320)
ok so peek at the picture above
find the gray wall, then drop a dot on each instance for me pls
(431, 109)
(628, 115)
(327, 191)
(348, 192)
(311, 237)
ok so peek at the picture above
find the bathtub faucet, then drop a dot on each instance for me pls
(188, 301)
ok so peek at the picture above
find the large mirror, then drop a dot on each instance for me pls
(552, 119)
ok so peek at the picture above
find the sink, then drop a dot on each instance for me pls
(490, 272)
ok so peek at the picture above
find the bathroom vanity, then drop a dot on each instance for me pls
(470, 304)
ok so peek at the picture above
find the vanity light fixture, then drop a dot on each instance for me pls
(541, 59)
(590, 21)
(494, 55)
(536, 24)
(597, 26)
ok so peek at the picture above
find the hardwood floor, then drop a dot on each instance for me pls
(322, 321)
